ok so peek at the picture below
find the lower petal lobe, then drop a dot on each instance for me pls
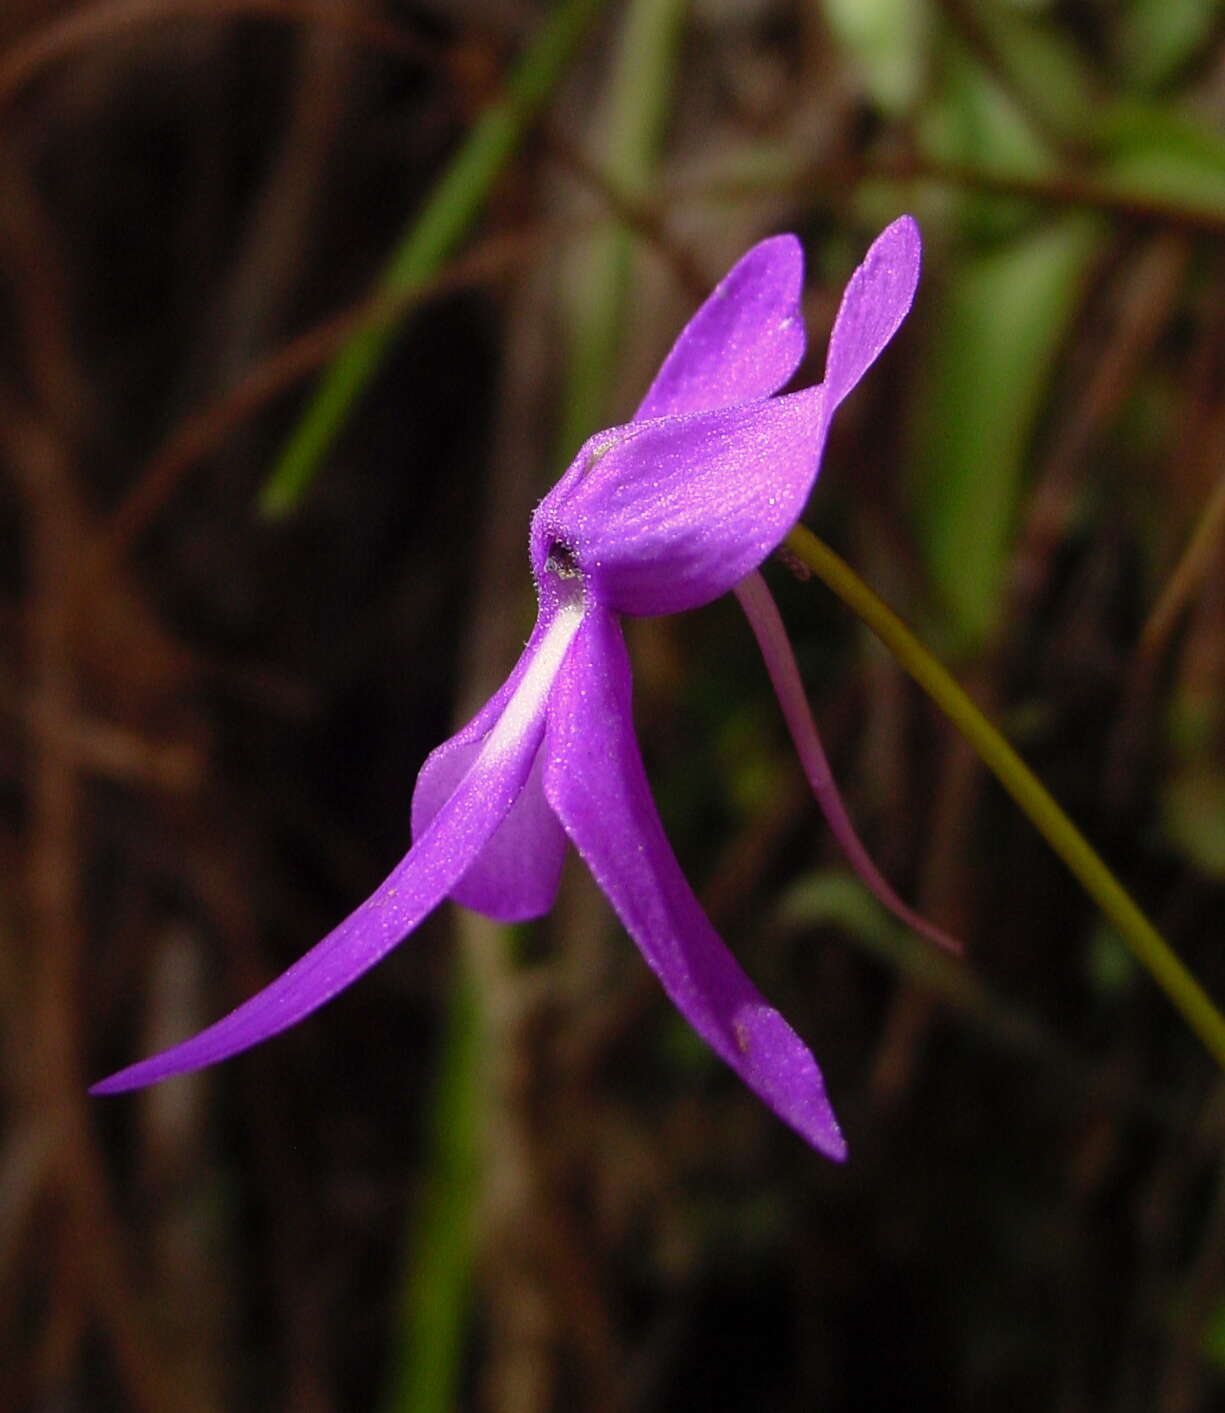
(516, 873)
(595, 780)
(420, 881)
(515, 876)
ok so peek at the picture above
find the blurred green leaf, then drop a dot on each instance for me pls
(1154, 154)
(438, 1272)
(973, 121)
(1112, 968)
(834, 897)
(990, 357)
(886, 40)
(1038, 62)
(1011, 91)
(1212, 1338)
(1159, 36)
(1193, 814)
(831, 896)
(1192, 719)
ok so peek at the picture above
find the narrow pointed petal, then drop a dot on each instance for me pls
(762, 612)
(425, 876)
(877, 298)
(743, 343)
(676, 512)
(515, 875)
(594, 779)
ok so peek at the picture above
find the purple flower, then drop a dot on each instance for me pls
(663, 514)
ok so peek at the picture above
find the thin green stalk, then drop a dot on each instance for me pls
(638, 105)
(1147, 944)
(438, 1270)
(431, 236)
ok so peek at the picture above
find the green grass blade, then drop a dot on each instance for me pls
(438, 1271)
(639, 103)
(431, 236)
(992, 356)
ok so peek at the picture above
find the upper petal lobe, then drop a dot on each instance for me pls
(673, 513)
(877, 298)
(743, 343)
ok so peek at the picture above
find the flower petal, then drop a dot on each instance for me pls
(515, 875)
(430, 869)
(877, 298)
(673, 513)
(594, 779)
(743, 343)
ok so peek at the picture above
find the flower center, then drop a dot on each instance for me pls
(522, 712)
(562, 561)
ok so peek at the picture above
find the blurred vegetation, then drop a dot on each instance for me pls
(518, 1183)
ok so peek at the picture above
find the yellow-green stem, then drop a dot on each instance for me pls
(1146, 943)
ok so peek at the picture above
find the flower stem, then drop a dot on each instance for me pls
(1146, 943)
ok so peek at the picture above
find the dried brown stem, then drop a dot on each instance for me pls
(202, 433)
(1068, 189)
(1196, 559)
(81, 30)
(644, 218)
(92, 1245)
(1150, 289)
